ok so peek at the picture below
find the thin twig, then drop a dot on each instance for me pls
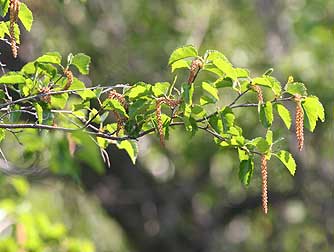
(238, 97)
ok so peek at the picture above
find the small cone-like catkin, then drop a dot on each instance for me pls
(69, 75)
(159, 121)
(196, 65)
(171, 103)
(299, 122)
(120, 98)
(264, 175)
(46, 97)
(258, 90)
(13, 15)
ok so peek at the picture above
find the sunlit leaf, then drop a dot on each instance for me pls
(51, 57)
(182, 53)
(288, 160)
(160, 88)
(210, 89)
(81, 62)
(266, 114)
(313, 111)
(12, 79)
(246, 169)
(296, 88)
(131, 147)
(26, 17)
(284, 113)
(180, 64)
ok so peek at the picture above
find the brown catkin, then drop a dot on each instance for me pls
(13, 14)
(45, 98)
(120, 98)
(21, 237)
(299, 122)
(264, 175)
(159, 120)
(196, 65)
(69, 75)
(171, 103)
(258, 90)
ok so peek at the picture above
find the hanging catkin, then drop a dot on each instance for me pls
(171, 103)
(299, 122)
(13, 14)
(196, 65)
(69, 75)
(264, 174)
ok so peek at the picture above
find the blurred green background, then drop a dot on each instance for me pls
(186, 197)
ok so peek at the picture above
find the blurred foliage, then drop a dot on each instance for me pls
(24, 227)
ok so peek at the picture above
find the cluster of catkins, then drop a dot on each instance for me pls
(299, 134)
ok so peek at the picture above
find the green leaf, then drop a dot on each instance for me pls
(4, 5)
(288, 160)
(2, 134)
(12, 79)
(3, 29)
(17, 31)
(160, 88)
(210, 67)
(276, 86)
(266, 114)
(227, 117)
(47, 68)
(262, 145)
(211, 55)
(313, 111)
(59, 101)
(262, 81)
(187, 93)
(246, 169)
(182, 53)
(88, 152)
(226, 67)
(242, 72)
(180, 64)
(198, 112)
(269, 137)
(39, 111)
(112, 104)
(284, 113)
(190, 125)
(26, 17)
(211, 90)
(131, 147)
(85, 94)
(29, 68)
(224, 82)
(204, 100)
(216, 123)
(15, 116)
(81, 62)
(296, 88)
(94, 114)
(50, 57)
(138, 90)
